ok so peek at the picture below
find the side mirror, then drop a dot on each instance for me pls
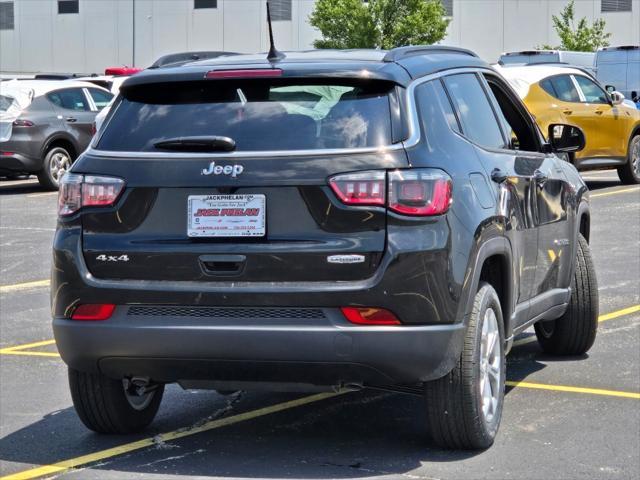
(610, 88)
(616, 98)
(566, 138)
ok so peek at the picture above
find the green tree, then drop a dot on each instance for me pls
(583, 38)
(378, 23)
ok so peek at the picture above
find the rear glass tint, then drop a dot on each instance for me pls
(257, 115)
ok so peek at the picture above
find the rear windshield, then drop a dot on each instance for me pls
(257, 115)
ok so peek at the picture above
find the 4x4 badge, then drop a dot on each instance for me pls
(213, 169)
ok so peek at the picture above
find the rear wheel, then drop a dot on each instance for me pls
(56, 163)
(575, 331)
(629, 173)
(106, 405)
(464, 408)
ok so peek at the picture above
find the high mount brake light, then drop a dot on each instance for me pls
(78, 191)
(369, 316)
(417, 192)
(245, 73)
(93, 311)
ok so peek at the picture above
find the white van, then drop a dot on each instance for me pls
(583, 60)
(619, 67)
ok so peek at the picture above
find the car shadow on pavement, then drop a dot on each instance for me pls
(595, 185)
(367, 433)
(20, 187)
(352, 435)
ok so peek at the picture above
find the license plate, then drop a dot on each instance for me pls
(226, 215)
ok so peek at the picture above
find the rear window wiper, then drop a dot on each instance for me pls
(205, 143)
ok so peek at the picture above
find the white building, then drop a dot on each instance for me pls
(88, 35)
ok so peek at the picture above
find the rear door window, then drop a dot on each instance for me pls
(562, 88)
(70, 99)
(479, 123)
(257, 115)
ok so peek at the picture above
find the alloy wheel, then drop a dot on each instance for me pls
(59, 165)
(490, 365)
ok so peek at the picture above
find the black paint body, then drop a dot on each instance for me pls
(275, 320)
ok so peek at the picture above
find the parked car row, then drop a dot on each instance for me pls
(557, 94)
(617, 68)
(45, 125)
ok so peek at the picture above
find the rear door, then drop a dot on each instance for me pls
(262, 213)
(74, 108)
(510, 170)
(549, 190)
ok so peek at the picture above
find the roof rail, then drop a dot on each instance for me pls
(403, 52)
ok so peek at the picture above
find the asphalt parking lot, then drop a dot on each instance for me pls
(577, 417)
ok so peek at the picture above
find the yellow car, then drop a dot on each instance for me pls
(568, 95)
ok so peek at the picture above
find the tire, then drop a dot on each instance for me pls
(104, 407)
(575, 331)
(629, 173)
(57, 161)
(456, 415)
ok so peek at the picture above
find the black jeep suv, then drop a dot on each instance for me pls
(331, 220)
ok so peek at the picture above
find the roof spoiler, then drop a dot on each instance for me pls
(401, 53)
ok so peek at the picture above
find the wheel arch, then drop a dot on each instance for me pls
(494, 264)
(63, 141)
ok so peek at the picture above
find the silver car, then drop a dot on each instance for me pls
(45, 125)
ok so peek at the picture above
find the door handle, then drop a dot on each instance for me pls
(498, 175)
(71, 119)
(599, 112)
(567, 112)
(540, 178)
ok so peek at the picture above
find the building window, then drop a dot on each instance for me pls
(6, 16)
(68, 6)
(448, 7)
(280, 9)
(615, 6)
(205, 3)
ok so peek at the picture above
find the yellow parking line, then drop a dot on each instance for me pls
(615, 192)
(63, 466)
(30, 354)
(601, 318)
(564, 388)
(23, 286)
(619, 313)
(28, 345)
(24, 349)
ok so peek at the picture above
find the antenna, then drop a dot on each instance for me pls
(274, 55)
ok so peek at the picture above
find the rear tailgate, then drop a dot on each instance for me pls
(271, 213)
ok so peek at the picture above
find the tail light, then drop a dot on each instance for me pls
(23, 123)
(420, 192)
(369, 316)
(362, 188)
(93, 311)
(94, 129)
(78, 191)
(416, 192)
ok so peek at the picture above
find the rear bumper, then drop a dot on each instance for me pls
(297, 347)
(18, 162)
